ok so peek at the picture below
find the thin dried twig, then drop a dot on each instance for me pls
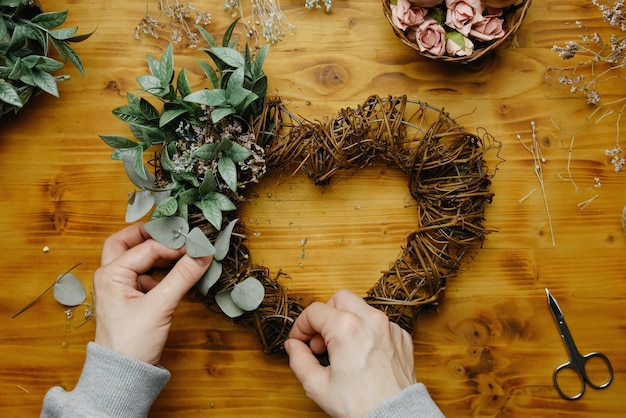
(447, 178)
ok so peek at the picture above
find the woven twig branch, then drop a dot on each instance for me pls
(447, 177)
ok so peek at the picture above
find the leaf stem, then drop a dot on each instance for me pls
(31, 303)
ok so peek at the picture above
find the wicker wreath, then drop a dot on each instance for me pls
(447, 177)
(513, 17)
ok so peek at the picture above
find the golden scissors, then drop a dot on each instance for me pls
(577, 362)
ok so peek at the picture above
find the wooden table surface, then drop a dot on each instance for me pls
(491, 346)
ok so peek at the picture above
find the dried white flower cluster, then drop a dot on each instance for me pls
(181, 19)
(266, 19)
(617, 158)
(310, 4)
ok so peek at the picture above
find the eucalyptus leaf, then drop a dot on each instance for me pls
(170, 231)
(248, 294)
(222, 242)
(227, 305)
(68, 290)
(139, 205)
(210, 277)
(197, 244)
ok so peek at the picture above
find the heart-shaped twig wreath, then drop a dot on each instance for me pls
(447, 177)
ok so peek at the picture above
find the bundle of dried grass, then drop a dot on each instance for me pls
(447, 177)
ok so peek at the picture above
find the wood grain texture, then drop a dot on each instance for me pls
(489, 348)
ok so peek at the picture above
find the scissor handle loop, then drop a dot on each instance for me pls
(606, 361)
(578, 366)
(559, 369)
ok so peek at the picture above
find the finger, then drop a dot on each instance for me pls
(312, 321)
(142, 257)
(345, 300)
(123, 240)
(310, 373)
(180, 280)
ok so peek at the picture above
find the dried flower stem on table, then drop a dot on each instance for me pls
(266, 18)
(181, 19)
(538, 160)
(602, 64)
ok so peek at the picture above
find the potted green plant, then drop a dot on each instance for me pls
(26, 36)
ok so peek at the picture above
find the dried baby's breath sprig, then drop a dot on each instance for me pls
(182, 17)
(315, 4)
(266, 19)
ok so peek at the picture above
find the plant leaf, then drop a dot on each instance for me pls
(132, 159)
(116, 141)
(197, 244)
(227, 305)
(229, 56)
(167, 207)
(220, 113)
(170, 231)
(210, 277)
(139, 204)
(207, 36)
(228, 170)
(211, 210)
(50, 19)
(238, 153)
(222, 242)
(68, 290)
(9, 95)
(248, 294)
(182, 84)
(206, 152)
(170, 115)
(216, 97)
(45, 81)
(208, 184)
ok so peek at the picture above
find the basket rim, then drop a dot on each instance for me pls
(512, 26)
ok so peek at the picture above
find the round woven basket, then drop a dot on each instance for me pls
(513, 17)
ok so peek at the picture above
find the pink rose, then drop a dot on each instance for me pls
(430, 36)
(405, 14)
(462, 14)
(489, 29)
(426, 3)
(460, 47)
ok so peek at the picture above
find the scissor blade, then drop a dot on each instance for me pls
(557, 313)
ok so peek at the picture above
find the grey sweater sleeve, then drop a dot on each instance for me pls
(412, 402)
(111, 385)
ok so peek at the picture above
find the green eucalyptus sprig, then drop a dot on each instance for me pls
(26, 34)
(200, 142)
(234, 300)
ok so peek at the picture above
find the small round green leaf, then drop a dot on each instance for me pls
(197, 244)
(170, 232)
(226, 304)
(68, 290)
(248, 294)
